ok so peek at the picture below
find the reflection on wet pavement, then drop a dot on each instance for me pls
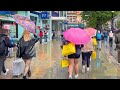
(104, 67)
(47, 64)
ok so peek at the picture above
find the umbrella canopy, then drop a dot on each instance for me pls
(91, 31)
(25, 22)
(77, 36)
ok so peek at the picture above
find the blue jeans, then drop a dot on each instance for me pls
(99, 44)
(105, 41)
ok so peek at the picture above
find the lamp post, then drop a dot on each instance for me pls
(112, 21)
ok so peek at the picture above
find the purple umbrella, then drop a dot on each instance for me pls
(25, 22)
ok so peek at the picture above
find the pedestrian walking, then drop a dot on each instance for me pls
(53, 35)
(4, 44)
(73, 60)
(87, 50)
(41, 36)
(45, 36)
(105, 33)
(117, 42)
(27, 51)
(99, 37)
(111, 38)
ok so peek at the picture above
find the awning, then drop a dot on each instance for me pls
(7, 12)
(58, 18)
(4, 18)
(35, 12)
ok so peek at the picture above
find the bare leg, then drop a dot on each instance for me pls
(27, 66)
(71, 64)
(76, 66)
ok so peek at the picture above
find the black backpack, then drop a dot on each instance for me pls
(2, 45)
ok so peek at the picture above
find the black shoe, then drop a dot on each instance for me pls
(24, 77)
(29, 73)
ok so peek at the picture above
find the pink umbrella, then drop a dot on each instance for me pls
(25, 23)
(91, 31)
(77, 36)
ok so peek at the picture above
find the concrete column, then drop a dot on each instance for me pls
(50, 24)
(28, 14)
(59, 13)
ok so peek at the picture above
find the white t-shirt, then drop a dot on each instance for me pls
(110, 34)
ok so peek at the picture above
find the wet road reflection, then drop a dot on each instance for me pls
(47, 64)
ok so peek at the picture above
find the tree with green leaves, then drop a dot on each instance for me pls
(96, 19)
(118, 24)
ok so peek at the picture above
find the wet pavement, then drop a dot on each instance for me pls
(47, 64)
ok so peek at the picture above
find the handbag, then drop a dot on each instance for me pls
(64, 63)
(68, 49)
(93, 56)
(94, 41)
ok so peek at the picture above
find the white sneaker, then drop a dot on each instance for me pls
(76, 76)
(6, 72)
(70, 77)
(83, 69)
(88, 69)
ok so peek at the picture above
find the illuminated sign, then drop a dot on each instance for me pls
(44, 15)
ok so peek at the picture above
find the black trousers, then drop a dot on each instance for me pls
(40, 40)
(2, 64)
(86, 58)
(118, 56)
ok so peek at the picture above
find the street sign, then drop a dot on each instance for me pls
(44, 15)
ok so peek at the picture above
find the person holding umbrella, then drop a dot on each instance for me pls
(27, 51)
(88, 49)
(86, 55)
(77, 36)
(26, 43)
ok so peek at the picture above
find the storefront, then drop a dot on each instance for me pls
(8, 23)
(45, 23)
(58, 18)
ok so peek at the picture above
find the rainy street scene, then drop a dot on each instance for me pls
(59, 44)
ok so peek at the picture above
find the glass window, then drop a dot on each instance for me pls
(12, 28)
(61, 13)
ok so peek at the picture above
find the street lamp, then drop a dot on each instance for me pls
(112, 21)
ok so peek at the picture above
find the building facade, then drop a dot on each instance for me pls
(73, 18)
(53, 19)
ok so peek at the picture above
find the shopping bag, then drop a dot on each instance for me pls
(95, 41)
(64, 63)
(68, 49)
(93, 57)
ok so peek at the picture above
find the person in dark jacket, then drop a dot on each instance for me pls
(73, 60)
(27, 51)
(117, 42)
(5, 42)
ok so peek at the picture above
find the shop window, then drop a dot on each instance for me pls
(12, 28)
(34, 19)
(61, 13)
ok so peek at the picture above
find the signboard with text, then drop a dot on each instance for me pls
(44, 15)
